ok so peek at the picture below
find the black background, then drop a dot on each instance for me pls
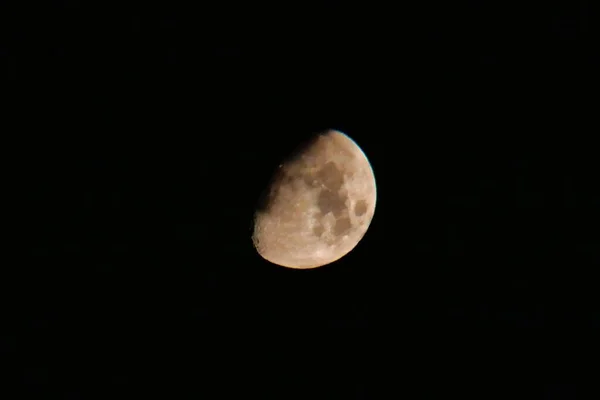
(140, 135)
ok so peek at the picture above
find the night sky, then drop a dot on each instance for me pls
(139, 136)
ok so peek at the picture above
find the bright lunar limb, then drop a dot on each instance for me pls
(318, 205)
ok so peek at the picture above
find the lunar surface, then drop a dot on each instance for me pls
(318, 206)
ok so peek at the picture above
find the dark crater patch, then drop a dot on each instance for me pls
(331, 199)
(331, 176)
(333, 202)
(318, 230)
(342, 226)
(360, 208)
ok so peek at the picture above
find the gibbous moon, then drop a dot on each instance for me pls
(318, 205)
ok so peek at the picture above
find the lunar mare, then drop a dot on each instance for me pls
(318, 206)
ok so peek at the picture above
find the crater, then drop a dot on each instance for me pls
(360, 208)
(329, 201)
(331, 176)
(342, 226)
(318, 230)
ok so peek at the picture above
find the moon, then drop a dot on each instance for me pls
(318, 205)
